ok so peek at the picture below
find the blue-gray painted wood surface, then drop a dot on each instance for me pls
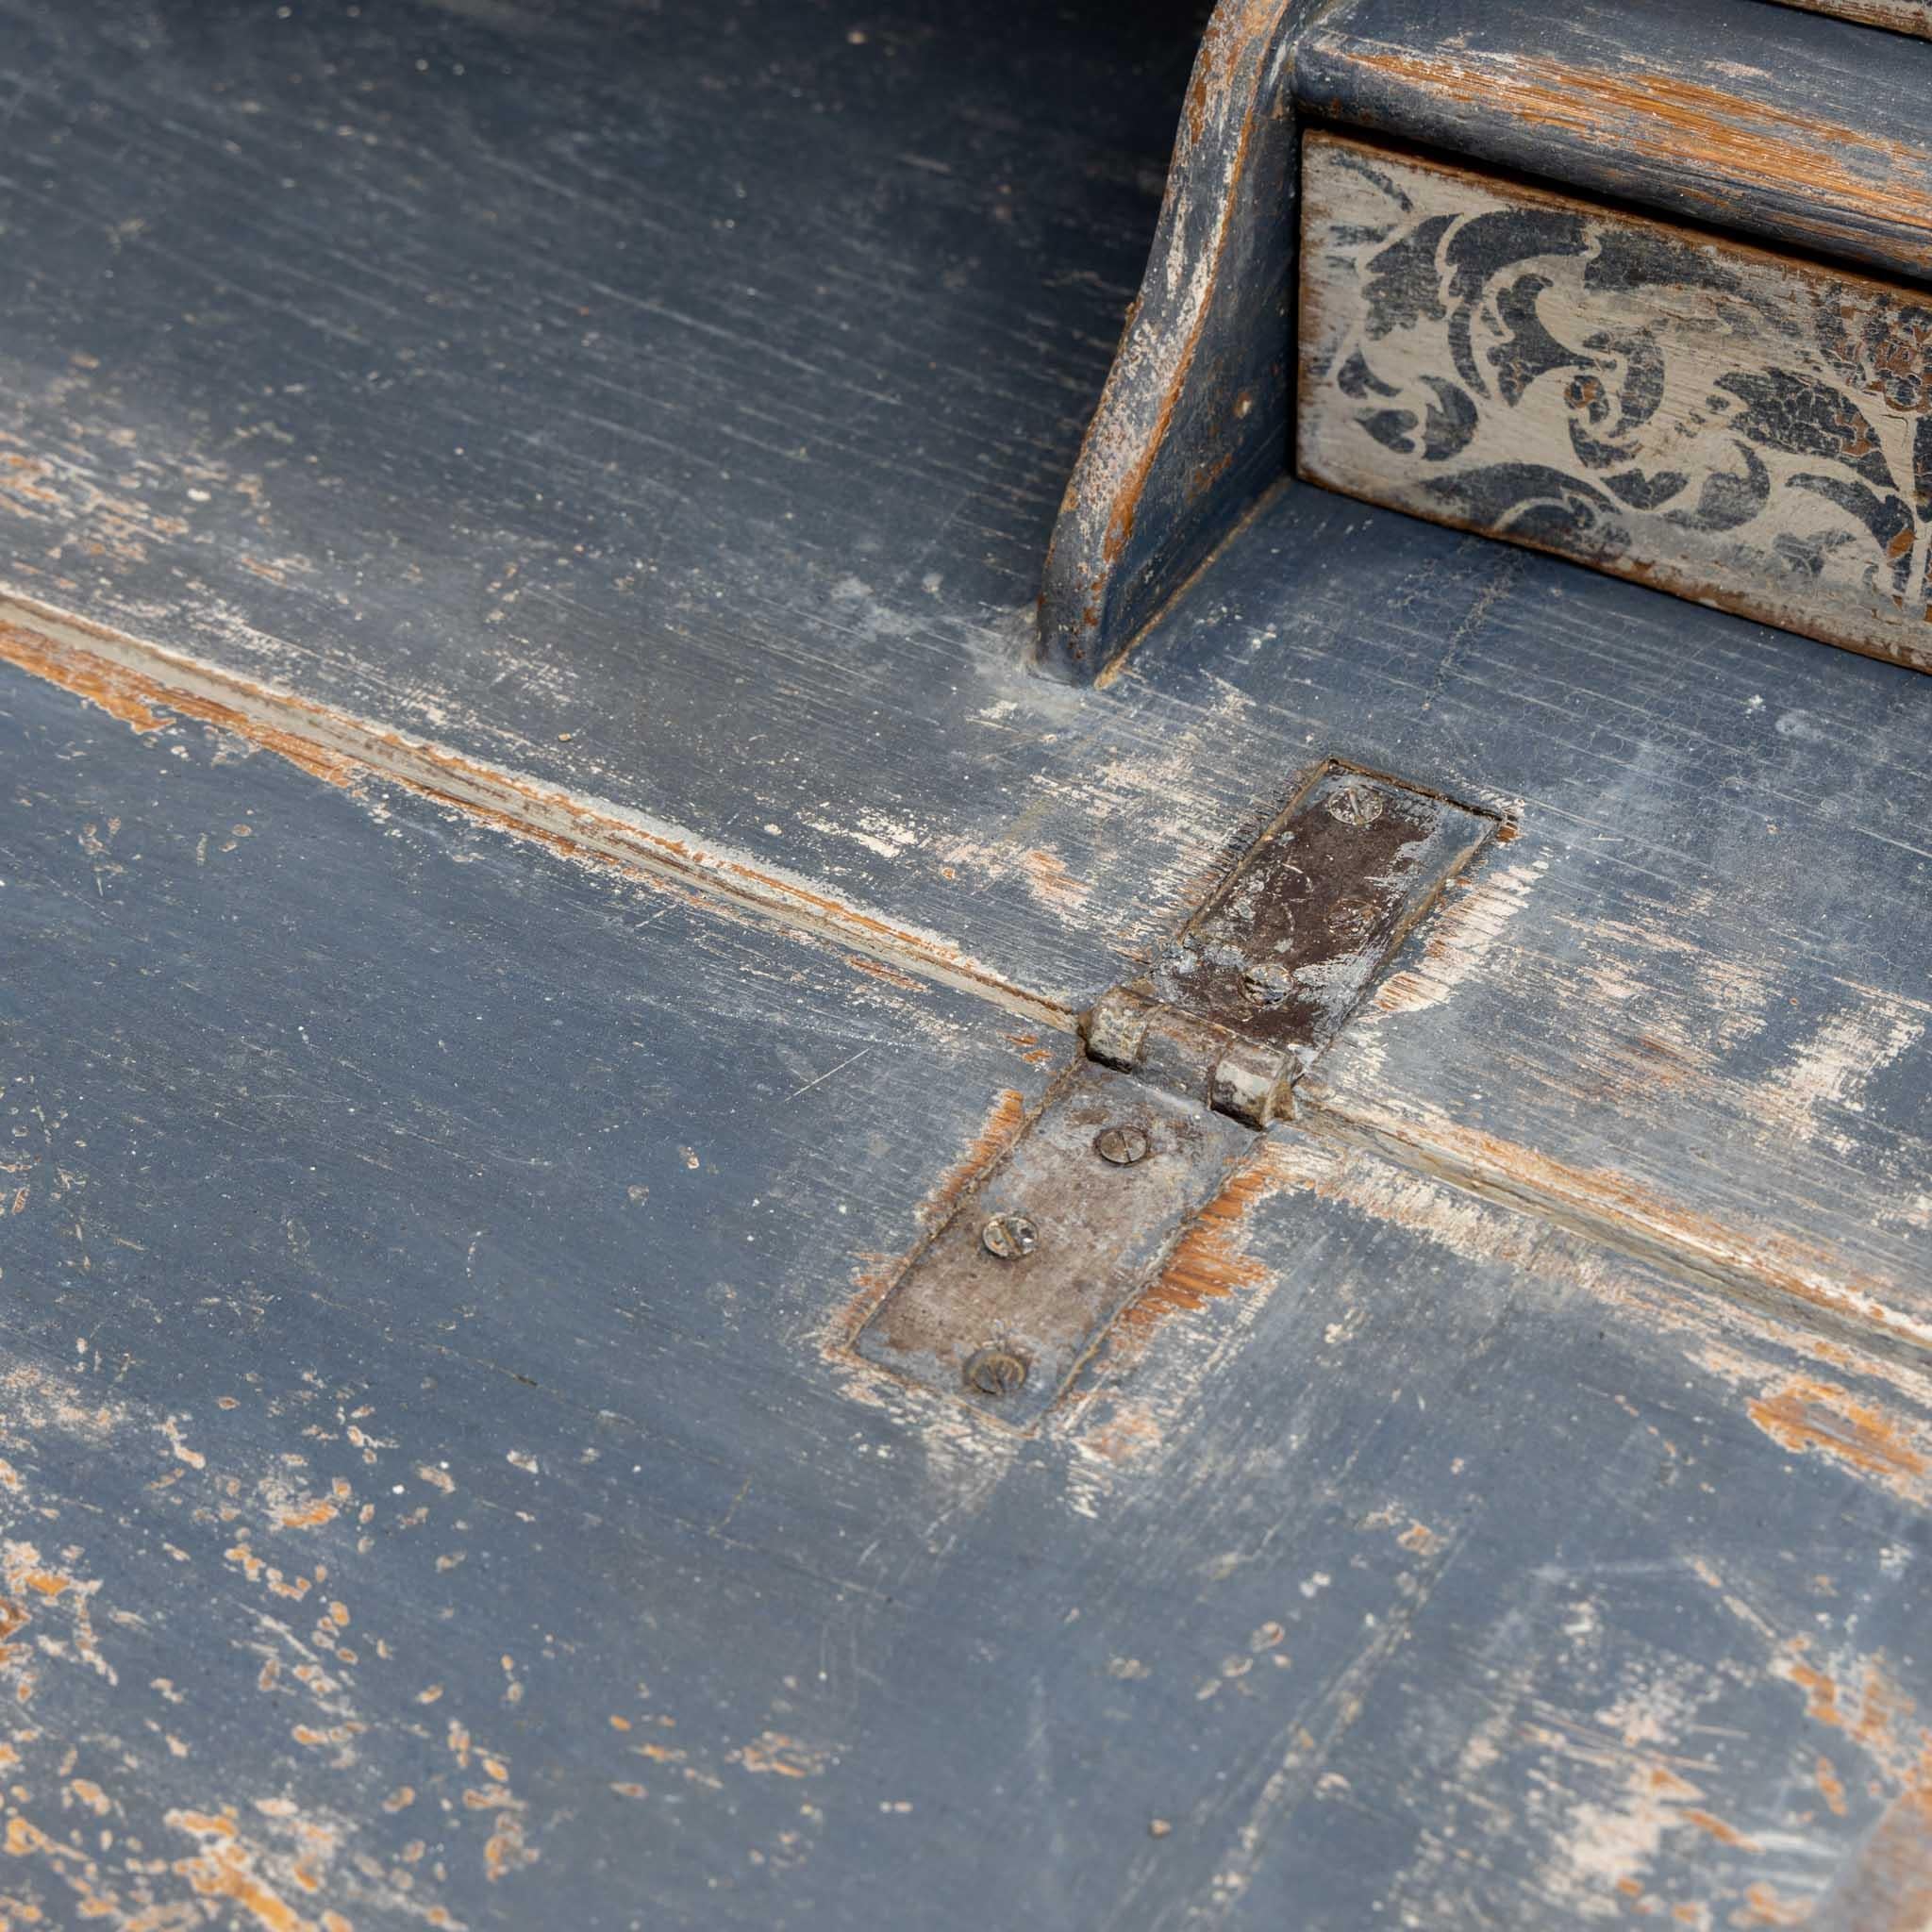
(816, 712)
(1795, 128)
(1684, 1010)
(1689, 1004)
(520, 376)
(427, 1490)
(1195, 420)
(1719, 889)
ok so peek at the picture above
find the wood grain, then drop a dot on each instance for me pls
(1728, 820)
(1902, 16)
(1786, 125)
(1194, 423)
(1746, 431)
(523, 399)
(435, 1485)
(1686, 1006)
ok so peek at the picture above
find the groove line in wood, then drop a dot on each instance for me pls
(131, 680)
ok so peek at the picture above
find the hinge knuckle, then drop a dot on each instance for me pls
(1017, 1287)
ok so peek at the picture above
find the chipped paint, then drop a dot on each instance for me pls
(1623, 1214)
(139, 682)
(1210, 1262)
(1459, 941)
(1829, 1071)
(1708, 142)
(1121, 1433)
(1810, 1417)
(775, 1754)
(877, 1274)
(265, 1861)
(1175, 415)
(1050, 884)
(1875, 1434)
(225, 1869)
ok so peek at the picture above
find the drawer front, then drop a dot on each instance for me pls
(1741, 428)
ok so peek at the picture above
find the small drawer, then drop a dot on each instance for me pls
(1744, 428)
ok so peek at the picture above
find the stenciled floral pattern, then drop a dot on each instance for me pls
(1618, 389)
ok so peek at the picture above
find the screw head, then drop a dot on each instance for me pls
(1351, 920)
(995, 1372)
(1122, 1146)
(1267, 984)
(1355, 805)
(1009, 1236)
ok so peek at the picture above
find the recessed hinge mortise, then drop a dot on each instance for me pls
(1019, 1286)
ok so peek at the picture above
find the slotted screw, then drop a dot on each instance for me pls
(1355, 805)
(1351, 920)
(1268, 984)
(1008, 1236)
(1122, 1146)
(995, 1372)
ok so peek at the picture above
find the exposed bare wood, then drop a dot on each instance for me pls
(1348, 1097)
(131, 680)
(1902, 16)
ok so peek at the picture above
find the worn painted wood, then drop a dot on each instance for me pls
(1749, 430)
(1714, 807)
(1194, 424)
(1717, 888)
(436, 1489)
(1902, 16)
(517, 376)
(1799, 129)
(1788, 126)
(1717, 860)
(1688, 1005)
(389, 1204)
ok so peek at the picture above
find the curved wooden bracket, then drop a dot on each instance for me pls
(1194, 421)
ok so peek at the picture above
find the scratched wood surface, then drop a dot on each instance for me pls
(1749, 430)
(1703, 965)
(434, 1493)
(519, 376)
(1688, 1005)
(1720, 887)
(1902, 16)
(624, 616)
(1782, 124)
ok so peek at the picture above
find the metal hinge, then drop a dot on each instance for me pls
(1182, 1066)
